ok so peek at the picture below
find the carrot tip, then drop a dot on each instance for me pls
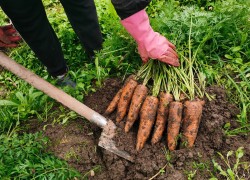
(154, 141)
(139, 147)
(118, 119)
(127, 127)
(106, 113)
(126, 130)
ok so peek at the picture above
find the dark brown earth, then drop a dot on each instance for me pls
(77, 141)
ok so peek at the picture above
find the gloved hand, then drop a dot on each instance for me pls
(150, 43)
(8, 37)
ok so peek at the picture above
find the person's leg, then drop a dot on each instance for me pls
(29, 18)
(83, 18)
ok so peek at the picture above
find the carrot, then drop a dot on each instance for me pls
(113, 103)
(162, 116)
(132, 76)
(139, 96)
(147, 118)
(125, 99)
(191, 121)
(174, 122)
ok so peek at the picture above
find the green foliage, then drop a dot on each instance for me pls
(232, 169)
(24, 104)
(7, 120)
(191, 174)
(21, 106)
(62, 115)
(167, 155)
(23, 157)
(3, 19)
(200, 165)
(220, 33)
(220, 37)
(118, 55)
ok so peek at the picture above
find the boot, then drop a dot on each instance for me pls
(64, 80)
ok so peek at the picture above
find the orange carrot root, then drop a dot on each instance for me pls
(125, 99)
(147, 118)
(191, 121)
(162, 116)
(113, 103)
(139, 96)
(132, 76)
(174, 122)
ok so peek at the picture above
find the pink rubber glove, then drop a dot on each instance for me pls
(8, 37)
(150, 43)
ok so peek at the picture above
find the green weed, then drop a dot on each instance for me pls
(220, 30)
(232, 169)
(25, 105)
(63, 115)
(200, 165)
(71, 154)
(23, 157)
(191, 174)
(223, 49)
(167, 155)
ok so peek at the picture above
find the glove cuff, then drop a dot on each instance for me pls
(138, 25)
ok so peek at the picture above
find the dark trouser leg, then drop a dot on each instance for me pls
(126, 8)
(30, 20)
(83, 18)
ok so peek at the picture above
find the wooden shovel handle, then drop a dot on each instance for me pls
(52, 91)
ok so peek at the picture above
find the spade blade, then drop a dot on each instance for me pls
(106, 141)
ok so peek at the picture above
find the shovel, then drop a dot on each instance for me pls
(108, 127)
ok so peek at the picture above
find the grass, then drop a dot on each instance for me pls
(24, 157)
(232, 167)
(220, 33)
(223, 49)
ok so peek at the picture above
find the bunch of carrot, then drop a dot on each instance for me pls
(159, 108)
(172, 103)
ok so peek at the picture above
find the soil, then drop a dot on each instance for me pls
(77, 142)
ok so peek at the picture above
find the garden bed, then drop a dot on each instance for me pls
(77, 141)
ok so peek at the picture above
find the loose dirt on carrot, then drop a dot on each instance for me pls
(77, 141)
